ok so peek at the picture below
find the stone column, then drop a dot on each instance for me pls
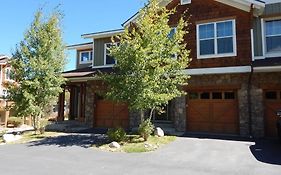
(134, 119)
(179, 111)
(257, 112)
(89, 105)
(243, 110)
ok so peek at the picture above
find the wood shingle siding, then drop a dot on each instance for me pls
(211, 11)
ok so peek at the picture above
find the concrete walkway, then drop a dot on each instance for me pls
(72, 155)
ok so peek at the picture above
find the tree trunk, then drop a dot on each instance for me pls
(151, 113)
(142, 115)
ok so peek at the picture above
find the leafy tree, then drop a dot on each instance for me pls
(150, 60)
(37, 63)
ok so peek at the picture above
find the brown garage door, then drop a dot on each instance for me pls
(212, 112)
(111, 115)
(272, 105)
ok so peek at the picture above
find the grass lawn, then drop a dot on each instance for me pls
(136, 144)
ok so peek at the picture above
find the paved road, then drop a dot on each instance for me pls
(71, 155)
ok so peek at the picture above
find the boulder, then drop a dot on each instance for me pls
(114, 145)
(11, 138)
(159, 132)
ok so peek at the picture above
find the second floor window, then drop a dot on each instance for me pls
(273, 36)
(86, 57)
(8, 73)
(108, 60)
(216, 39)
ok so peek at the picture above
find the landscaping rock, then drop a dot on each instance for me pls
(147, 145)
(159, 132)
(11, 138)
(114, 145)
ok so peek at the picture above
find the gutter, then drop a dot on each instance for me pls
(249, 87)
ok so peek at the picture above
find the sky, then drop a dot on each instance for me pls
(80, 17)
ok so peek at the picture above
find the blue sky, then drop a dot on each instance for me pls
(81, 16)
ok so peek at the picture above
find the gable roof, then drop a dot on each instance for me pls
(245, 5)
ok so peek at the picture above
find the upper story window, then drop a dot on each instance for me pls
(172, 32)
(216, 39)
(273, 36)
(8, 74)
(183, 2)
(108, 60)
(86, 57)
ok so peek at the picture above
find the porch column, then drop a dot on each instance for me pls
(82, 102)
(71, 115)
(61, 106)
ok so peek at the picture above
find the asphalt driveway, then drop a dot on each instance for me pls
(72, 155)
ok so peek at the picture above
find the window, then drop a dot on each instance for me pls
(217, 39)
(271, 95)
(5, 93)
(217, 95)
(8, 74)
(86, 57)
(108, 60)
(183, 2)
(273, 36)
(172, 32)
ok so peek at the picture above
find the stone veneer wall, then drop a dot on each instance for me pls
(89, 104)
(178, 107)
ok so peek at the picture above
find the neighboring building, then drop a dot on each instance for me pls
(5, 76)
(235, 85)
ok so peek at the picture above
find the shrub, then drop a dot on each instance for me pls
(146, 128)
(42, 125)
(116, 134)
(14, 121)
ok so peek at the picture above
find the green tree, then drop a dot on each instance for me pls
(150, 59)
(37, 64)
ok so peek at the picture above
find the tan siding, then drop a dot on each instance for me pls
(272, 9)
(99, 51)
(257, 37)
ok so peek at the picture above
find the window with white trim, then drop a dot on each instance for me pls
(273, 36)
(216, 39)
(86, 57)
(8, 74)
(5, 93)
(183, 2)
(108, 60)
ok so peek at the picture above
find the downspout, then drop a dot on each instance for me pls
(249, 87)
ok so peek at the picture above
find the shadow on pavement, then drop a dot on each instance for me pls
(267, 151)
(81, 140)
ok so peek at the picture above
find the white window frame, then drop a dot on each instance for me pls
(86, 62)
(216, 54)
(263, 30)
(8, 78)
(104, 55)
(184, 2)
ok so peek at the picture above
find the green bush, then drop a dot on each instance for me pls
(14, 121)
(116, 134)
(146, 128)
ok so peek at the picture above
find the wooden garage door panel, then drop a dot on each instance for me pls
(199, 111)
(271, 107)
(225, 112)
(199, 126)
(212, 115)
(111, 115)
